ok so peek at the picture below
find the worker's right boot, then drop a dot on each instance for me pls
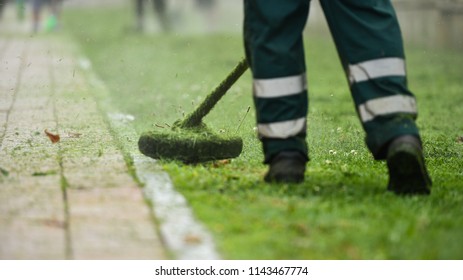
(407, 169)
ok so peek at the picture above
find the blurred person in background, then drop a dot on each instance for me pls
(52, 21)
(2, 6)
(20, 8)
(160, 8)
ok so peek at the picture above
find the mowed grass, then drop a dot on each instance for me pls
(342, 210)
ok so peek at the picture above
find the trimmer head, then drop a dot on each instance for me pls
(189, 147)
(190, 140)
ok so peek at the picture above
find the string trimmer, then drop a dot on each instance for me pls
(190, 140)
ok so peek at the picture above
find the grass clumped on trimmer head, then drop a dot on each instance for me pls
(190, 140)
(190, 145)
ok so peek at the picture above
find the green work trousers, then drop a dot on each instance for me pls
(369, 43)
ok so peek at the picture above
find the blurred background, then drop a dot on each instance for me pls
(425, 23)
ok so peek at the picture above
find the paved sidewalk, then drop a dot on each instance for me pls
(73, 199)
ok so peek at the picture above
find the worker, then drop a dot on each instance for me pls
(369, 43)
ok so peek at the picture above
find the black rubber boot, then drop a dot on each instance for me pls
(407, 169)
(286, 167)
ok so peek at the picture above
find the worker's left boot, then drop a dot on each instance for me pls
(286, 167)
(407, 169)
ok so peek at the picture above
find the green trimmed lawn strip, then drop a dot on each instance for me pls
(342, 211)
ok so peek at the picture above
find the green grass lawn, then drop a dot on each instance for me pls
(342, 211)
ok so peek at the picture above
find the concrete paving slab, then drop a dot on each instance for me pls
(33, 223)
(103, 224)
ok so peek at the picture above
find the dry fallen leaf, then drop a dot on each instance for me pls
(192, 239)
(53, 137)
(54, 223)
